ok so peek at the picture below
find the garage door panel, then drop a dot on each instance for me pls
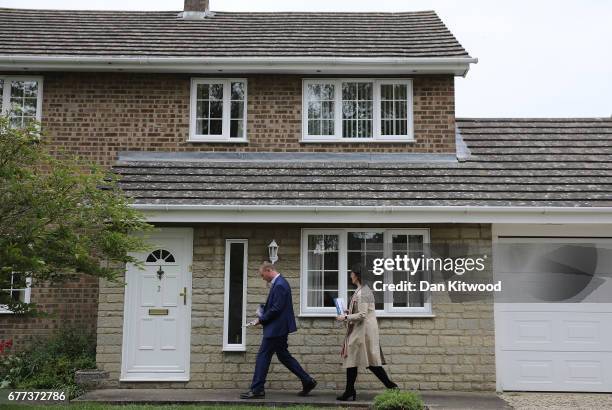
(556, 371)
(555, 331)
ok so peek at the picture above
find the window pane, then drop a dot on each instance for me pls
(237, 109)
(202, 127)
(314, 109)
(17, 89)
(394, 109)
(203, 108)
(216, 127)
(328, 298)
(315, 260)
(331, 260)
(386, 92)
(322, 270)
(203, 91)
(216, 91)
(1, 93)
(238, 91)
(216, 109)
(314, 128)
(321, 106)
(330, 280)
(236, 129)
(236, 302)
(315, 280)
(357, 107)
(327, 109)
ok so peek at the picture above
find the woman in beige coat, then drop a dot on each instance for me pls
(361, 346)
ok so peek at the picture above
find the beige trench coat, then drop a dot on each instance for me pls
(361, 345)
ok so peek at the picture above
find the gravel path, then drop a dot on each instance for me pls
(558, 401)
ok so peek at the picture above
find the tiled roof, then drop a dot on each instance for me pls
(512, 162)
(225, 34)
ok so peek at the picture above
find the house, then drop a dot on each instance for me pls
(332, 136)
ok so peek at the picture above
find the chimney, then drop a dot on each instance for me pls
(195, 10)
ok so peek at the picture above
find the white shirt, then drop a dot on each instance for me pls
(274, 280)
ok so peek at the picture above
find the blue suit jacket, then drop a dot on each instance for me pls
(277, 318)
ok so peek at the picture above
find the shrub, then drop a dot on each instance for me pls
(50, 363)
(398, 400)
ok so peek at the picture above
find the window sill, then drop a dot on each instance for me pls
(229, 349)
(219, 140)
(357, 141)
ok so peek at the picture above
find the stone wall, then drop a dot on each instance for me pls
(452, 351)
(96, 115)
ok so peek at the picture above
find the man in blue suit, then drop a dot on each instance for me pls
(278, 321)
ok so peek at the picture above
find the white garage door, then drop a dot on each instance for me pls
(556, 346)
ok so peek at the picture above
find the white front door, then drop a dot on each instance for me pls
(157, 314)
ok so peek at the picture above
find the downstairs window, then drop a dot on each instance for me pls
(329, 254)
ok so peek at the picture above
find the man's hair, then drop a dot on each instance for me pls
(267, 266)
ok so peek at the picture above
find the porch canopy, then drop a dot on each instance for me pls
(504, 170)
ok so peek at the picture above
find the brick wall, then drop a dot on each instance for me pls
(67, 304)
(98, 114)
(452, 351)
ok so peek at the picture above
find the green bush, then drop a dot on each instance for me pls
(398, 400)
(50, 363)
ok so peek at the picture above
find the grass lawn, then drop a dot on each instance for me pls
(96, 406)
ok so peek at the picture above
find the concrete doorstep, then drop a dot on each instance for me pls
(319, 398)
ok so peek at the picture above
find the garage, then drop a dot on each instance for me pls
(555, 346)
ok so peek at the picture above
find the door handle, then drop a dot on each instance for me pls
(184, 295)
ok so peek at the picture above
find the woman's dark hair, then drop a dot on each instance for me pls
(356, 269)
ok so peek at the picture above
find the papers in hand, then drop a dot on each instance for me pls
(251, 323)
(340, 306)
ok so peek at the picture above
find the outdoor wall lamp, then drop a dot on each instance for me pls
(273, 251)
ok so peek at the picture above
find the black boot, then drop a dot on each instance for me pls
(349, 392)
(382, 376)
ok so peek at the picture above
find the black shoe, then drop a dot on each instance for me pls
(252, 395)
(307, 387)
(393, 386)
(352, 395)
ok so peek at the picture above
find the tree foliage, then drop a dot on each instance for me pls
(59, 218)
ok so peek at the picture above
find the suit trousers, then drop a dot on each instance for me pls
(269, 346)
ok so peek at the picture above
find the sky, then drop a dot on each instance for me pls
(537, 58)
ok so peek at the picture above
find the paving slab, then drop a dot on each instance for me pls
(321, 398)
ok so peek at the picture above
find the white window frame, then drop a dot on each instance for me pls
(26, 295)
(390, 310)
(6, 94)
(225, 136)
(376, 112)
(234, 347)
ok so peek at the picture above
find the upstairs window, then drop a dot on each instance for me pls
(21, 99)
(357, 110)
(218, 110)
